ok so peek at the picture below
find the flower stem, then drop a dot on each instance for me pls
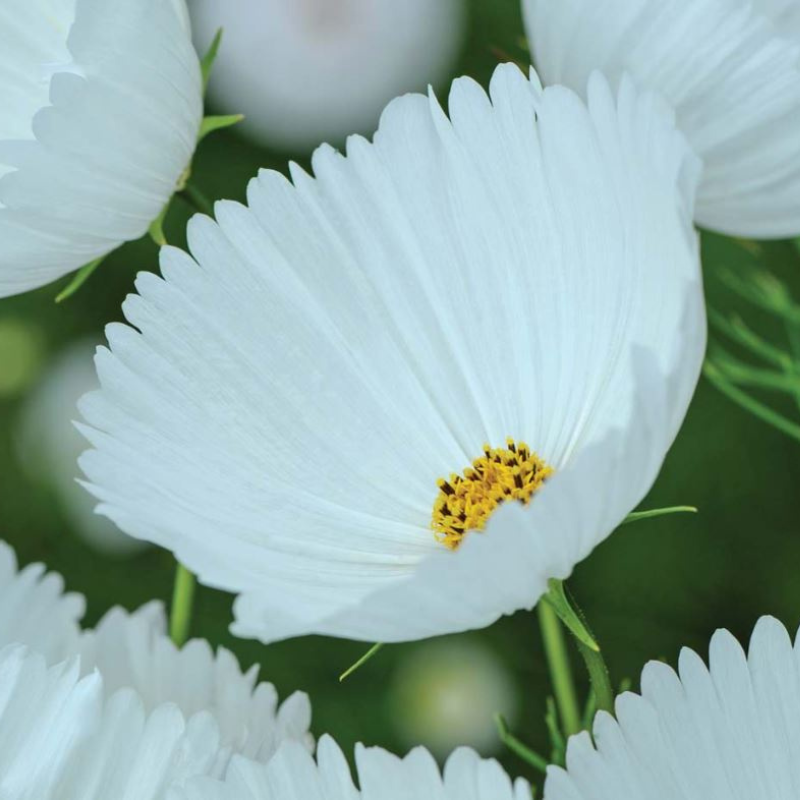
(560, 669)
(182, 600)
(599, 677)
(195, 198)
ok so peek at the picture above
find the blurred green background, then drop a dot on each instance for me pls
(651, 588)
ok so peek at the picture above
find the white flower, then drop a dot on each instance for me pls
(102, 104)
(63, 738)
(34, 610)
(309, 71)
(731, 68)
(294, 775)
(282, 415)
(48, 445)
(731, 730)
(131, 652)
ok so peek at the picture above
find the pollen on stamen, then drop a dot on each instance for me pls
(465, 502)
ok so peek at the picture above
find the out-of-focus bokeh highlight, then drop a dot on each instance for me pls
(305, 72)
(649, 589)
(445, 693)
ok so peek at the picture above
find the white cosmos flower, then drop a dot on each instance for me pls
(102, 104)
(293, 774)
(729, 730)
(731, 68)
(308, 71)
(132, 654)
(524, 269)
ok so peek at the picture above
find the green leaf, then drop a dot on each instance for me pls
(735, 330)
(207, 61)
(755, 407)
(763, 290)
(361, 661)
(742, 374)
(516, 746)
(217, 123)
(78, 279)
(636, 516)
(752, 247)
(557, 598)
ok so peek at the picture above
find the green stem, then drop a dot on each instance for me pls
(560, 669)
(518, 747)
(599, 677)
(180, 616)
(197, 200)
(78, 279)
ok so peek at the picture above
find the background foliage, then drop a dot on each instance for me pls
(649, 589)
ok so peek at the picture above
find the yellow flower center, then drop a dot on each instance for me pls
(466, 502)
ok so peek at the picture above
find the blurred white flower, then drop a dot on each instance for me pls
(180, 692)
(49, 445)
(293, 415)
(446, 693)
(294, 775)
(308, 71)
(729, 730)
(731, 68)
(102, 104)
(62, 738)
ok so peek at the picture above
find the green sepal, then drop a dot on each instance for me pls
(78, 279)
(217, 123)
(557, 598)
(156, 229)
(207, 61)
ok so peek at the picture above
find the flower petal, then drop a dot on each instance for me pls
(706, 733)
(731, 68)
(60, 739)
(294, 775)
(283, 411)
(95, 165)
(132, 652)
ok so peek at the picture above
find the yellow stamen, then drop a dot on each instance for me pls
(466, 502)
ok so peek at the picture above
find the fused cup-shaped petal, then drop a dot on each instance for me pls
(524, 269)
(102, 104)
(731, 69)
(293, 774)
(132, 653)
(731, 729)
